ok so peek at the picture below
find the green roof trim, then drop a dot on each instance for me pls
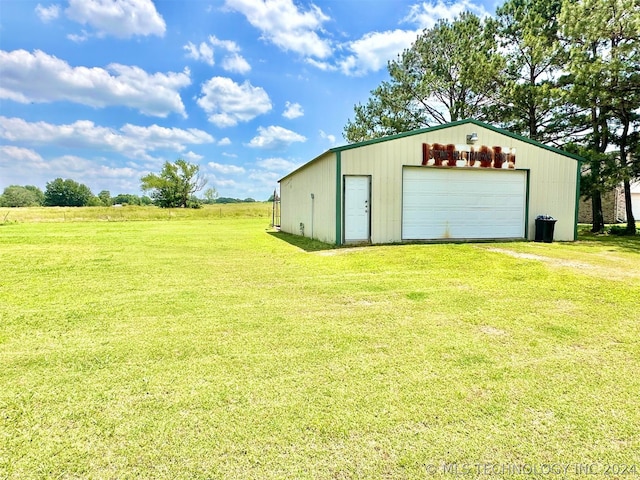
(338, 241)
(455, 124)
(301, 167)
(436, 128)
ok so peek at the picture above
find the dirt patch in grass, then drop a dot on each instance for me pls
(606, 271)
(341, 251)
(489, 330)
(532, 256)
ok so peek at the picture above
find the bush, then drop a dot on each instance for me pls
(94, 202)
(19, 196)
(194, 202)
(126, 199)
(67, 193)
(619, 230)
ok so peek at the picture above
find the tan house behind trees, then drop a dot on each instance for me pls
(613, 207)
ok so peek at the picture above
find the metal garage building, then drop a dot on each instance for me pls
(462, 181)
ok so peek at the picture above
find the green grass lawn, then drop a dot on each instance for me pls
(203, 345)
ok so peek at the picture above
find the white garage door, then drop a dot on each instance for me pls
(454, 203)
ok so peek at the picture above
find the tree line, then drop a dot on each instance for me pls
(562, 72)
(65, 193)
(174, 186)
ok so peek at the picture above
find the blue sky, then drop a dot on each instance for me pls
(106, 91)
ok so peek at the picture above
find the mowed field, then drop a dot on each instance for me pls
(146, 343)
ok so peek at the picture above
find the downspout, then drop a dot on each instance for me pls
(526, 203)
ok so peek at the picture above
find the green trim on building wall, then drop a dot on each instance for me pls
(578, 179)
(338, 199)
(526, 203)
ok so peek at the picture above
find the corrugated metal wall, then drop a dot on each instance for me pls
(553, 177)
(317, 214)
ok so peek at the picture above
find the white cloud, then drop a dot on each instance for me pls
(105, 171)
(228, 103)
(38, 77)
(95, 174)
(224, 142)
(120, 18)
(263, 178)
(275, 137)
(46, 14)
(229, 155)
(293, 110)
(236, 63)
(163, 137)
(130, 140)
(27, 167)
(232, 62)
(228, 45)
(324, 66)
(372, 52)
(426, 14)
(10, 154)
(226, 169)
(78, 38)
(70, 163)
(221, 182)
(331, 138)
(192, 156)
(286, 26)
(203, 52)
(82, 134)
(277, 164)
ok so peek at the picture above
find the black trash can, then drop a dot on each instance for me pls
(544, 228)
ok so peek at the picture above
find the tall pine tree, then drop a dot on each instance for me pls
(449, 73)
(603, 41)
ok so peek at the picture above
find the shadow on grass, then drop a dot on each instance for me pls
(630, 243)
(306, 244)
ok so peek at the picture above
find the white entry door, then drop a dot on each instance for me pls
(456, 203)
(356, 208)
